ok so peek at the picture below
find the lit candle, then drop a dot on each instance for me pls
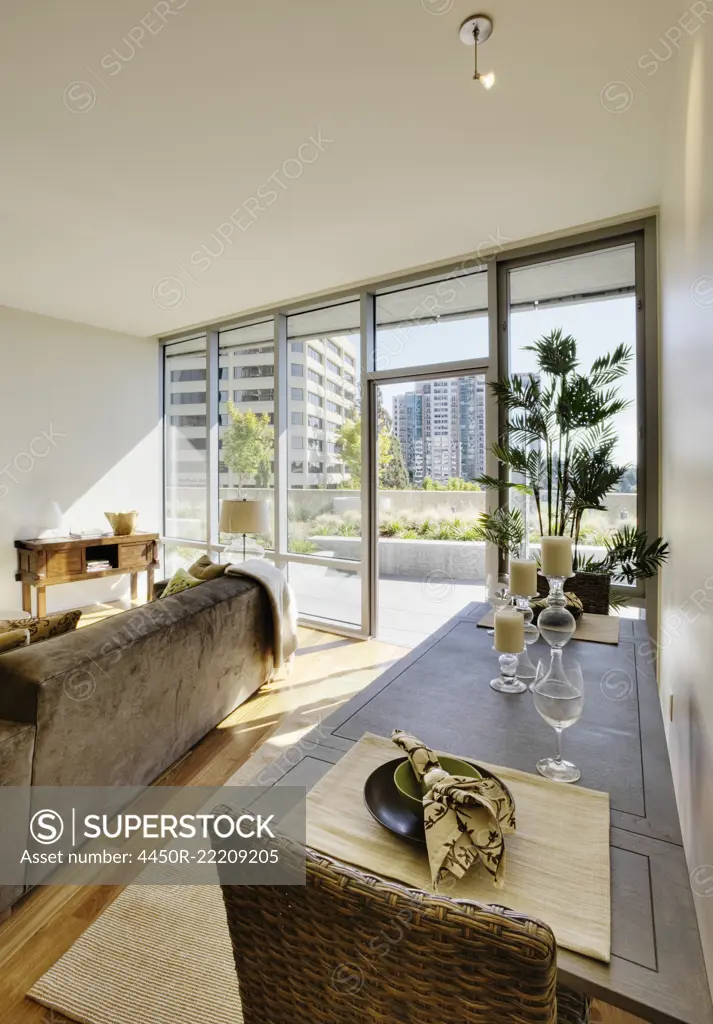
(509, 632)
(523, 577)
(557, 556)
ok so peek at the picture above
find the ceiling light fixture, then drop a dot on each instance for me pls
(475, 31)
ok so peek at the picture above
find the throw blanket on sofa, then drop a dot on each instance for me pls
(282, 602)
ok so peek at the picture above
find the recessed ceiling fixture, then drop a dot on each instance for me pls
(475, 31)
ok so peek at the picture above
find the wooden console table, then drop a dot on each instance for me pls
(45, 563)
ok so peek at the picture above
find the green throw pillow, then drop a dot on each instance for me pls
(205, 569)
(182, 580)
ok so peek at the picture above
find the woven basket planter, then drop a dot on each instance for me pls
(592, 589)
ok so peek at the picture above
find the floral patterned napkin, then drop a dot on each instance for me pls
(465, 819)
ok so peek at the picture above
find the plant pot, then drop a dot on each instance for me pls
(592, 589)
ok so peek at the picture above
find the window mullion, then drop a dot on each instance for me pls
(282, 371)
(212, 498)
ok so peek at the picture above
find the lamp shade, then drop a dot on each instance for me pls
(244, 516)
(52, 519)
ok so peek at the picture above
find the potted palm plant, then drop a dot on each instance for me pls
(559, 449)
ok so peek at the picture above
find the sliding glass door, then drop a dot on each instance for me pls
(431, 448)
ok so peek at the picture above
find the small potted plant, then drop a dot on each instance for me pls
(558, 449)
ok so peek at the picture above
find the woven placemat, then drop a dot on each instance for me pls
(597, 629)
(557, 862)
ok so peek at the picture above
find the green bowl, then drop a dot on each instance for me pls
(410, 788)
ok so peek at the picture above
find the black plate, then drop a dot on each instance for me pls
(387, 805)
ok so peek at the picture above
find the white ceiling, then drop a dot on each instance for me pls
(98, 205)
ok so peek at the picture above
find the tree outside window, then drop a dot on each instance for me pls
(248, 447)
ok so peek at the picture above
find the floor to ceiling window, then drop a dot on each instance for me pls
(591, 297)
(246, 417)
(324, 461)
(185, 450)
(366, 421)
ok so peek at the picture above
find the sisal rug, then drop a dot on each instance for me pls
(160, 954)
(557, 866)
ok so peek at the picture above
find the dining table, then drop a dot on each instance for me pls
(440, 692)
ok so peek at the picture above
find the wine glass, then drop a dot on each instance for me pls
(497, 593)
(560, 701)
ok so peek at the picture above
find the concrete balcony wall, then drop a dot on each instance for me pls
(414, 559)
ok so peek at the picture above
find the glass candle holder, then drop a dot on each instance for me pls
(509, 643)
(556, 624)
(525, 668)
(507, 682)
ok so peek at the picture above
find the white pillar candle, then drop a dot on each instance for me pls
(523, 577)
(509, 632)
(557, 556)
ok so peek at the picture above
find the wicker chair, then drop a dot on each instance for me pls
(347, 948)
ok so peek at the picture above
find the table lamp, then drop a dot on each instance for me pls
(52, 520)
(243, 516)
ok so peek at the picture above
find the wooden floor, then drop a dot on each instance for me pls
(328, 671)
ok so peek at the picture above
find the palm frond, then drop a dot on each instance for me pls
(630, 557)
(505, 528)
(556, 353)
(611, 367)
(511, 455)
(491, 483)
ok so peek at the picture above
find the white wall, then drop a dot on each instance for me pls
(79, 423)
(686, 657)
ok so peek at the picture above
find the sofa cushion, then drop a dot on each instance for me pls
(13, 638)
(46, 627)
(180, 581)
(206, 569)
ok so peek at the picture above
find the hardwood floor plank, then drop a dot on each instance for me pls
(603, 1014)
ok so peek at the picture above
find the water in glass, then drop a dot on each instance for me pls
(560, 701)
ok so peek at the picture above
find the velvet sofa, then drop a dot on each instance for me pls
(116, 703)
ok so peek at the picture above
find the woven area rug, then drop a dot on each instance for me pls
(157, 955)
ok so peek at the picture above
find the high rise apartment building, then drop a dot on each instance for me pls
(322, 396)
(441, 428)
